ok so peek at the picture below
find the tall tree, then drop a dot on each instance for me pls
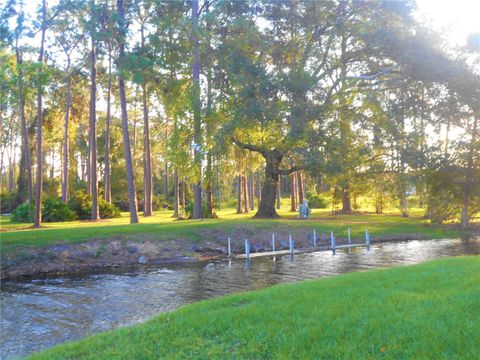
(196, 105)
(95, 215)
(39, 177)
(132, 194)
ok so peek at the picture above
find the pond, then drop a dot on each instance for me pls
(38, 314)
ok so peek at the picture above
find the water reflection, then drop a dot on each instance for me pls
(40, 313)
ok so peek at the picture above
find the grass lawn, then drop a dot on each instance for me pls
(162, 226)
(425, 311)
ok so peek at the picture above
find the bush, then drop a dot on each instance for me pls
(7, 202)
(316, 201)
(23, 213)
(56, 210)
(107, 211)
(81, 204)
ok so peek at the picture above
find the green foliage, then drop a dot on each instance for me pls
(23, 213)
(81, 204)
(316, 201)
(107, 211)
(7, 201)
(56, 210)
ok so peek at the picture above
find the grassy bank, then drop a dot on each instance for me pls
(162, 226)
(426, 311)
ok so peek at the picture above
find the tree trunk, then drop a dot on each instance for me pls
(346, 200)
(93, 129)
(239, 196)
(266, 208)
(147, 162)
(279, 192)
(39, 183)
(107, 188)
(197, 189)
(66, 148)
(465, 219)
(182, 198)
(208, 187)
(246, 206)
(132, 195)
(300, 188)
(176, 195)
(25, 140)
(251, 190)
(293, 192)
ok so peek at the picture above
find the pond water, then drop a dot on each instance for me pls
(37, 314)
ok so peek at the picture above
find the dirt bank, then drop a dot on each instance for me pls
(100, 254)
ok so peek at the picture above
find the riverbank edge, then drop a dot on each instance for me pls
(252, 324)
(98, 255)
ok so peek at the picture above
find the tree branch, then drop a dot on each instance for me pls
(250, 147)
(289, 171)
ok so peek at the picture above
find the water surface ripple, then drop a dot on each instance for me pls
(37, 314)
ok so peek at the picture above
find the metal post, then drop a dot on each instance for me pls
(332, 243)
(247, 250)
(349, 241)
(291, 245)
(229, 247)
(314, 238)
(273, 241)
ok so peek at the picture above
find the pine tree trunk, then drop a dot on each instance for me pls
(147, 162)
(293, 192)
(25, 139)
(39, 175)
(239, 195)
(66, 145)
(246, 206)
(132, 196)
(197, 188)
(300, 188)
(147, 171)
(176, 199)
(107, 187)
(93, 129)
(251, 190)
(465, 218)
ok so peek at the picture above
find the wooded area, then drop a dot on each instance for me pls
(196, 106)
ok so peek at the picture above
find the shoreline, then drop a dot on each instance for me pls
(100, 255)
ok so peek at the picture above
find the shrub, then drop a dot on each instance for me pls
(107, 211)
(23, 213)
(81, 204)
(316, 201)
(56, 210)
(7, 202)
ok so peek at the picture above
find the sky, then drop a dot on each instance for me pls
(455, 18)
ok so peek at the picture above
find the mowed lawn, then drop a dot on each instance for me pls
(162, 226)
(425, 311)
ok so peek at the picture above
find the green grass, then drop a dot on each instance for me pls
(162, 226)
(425, 311)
